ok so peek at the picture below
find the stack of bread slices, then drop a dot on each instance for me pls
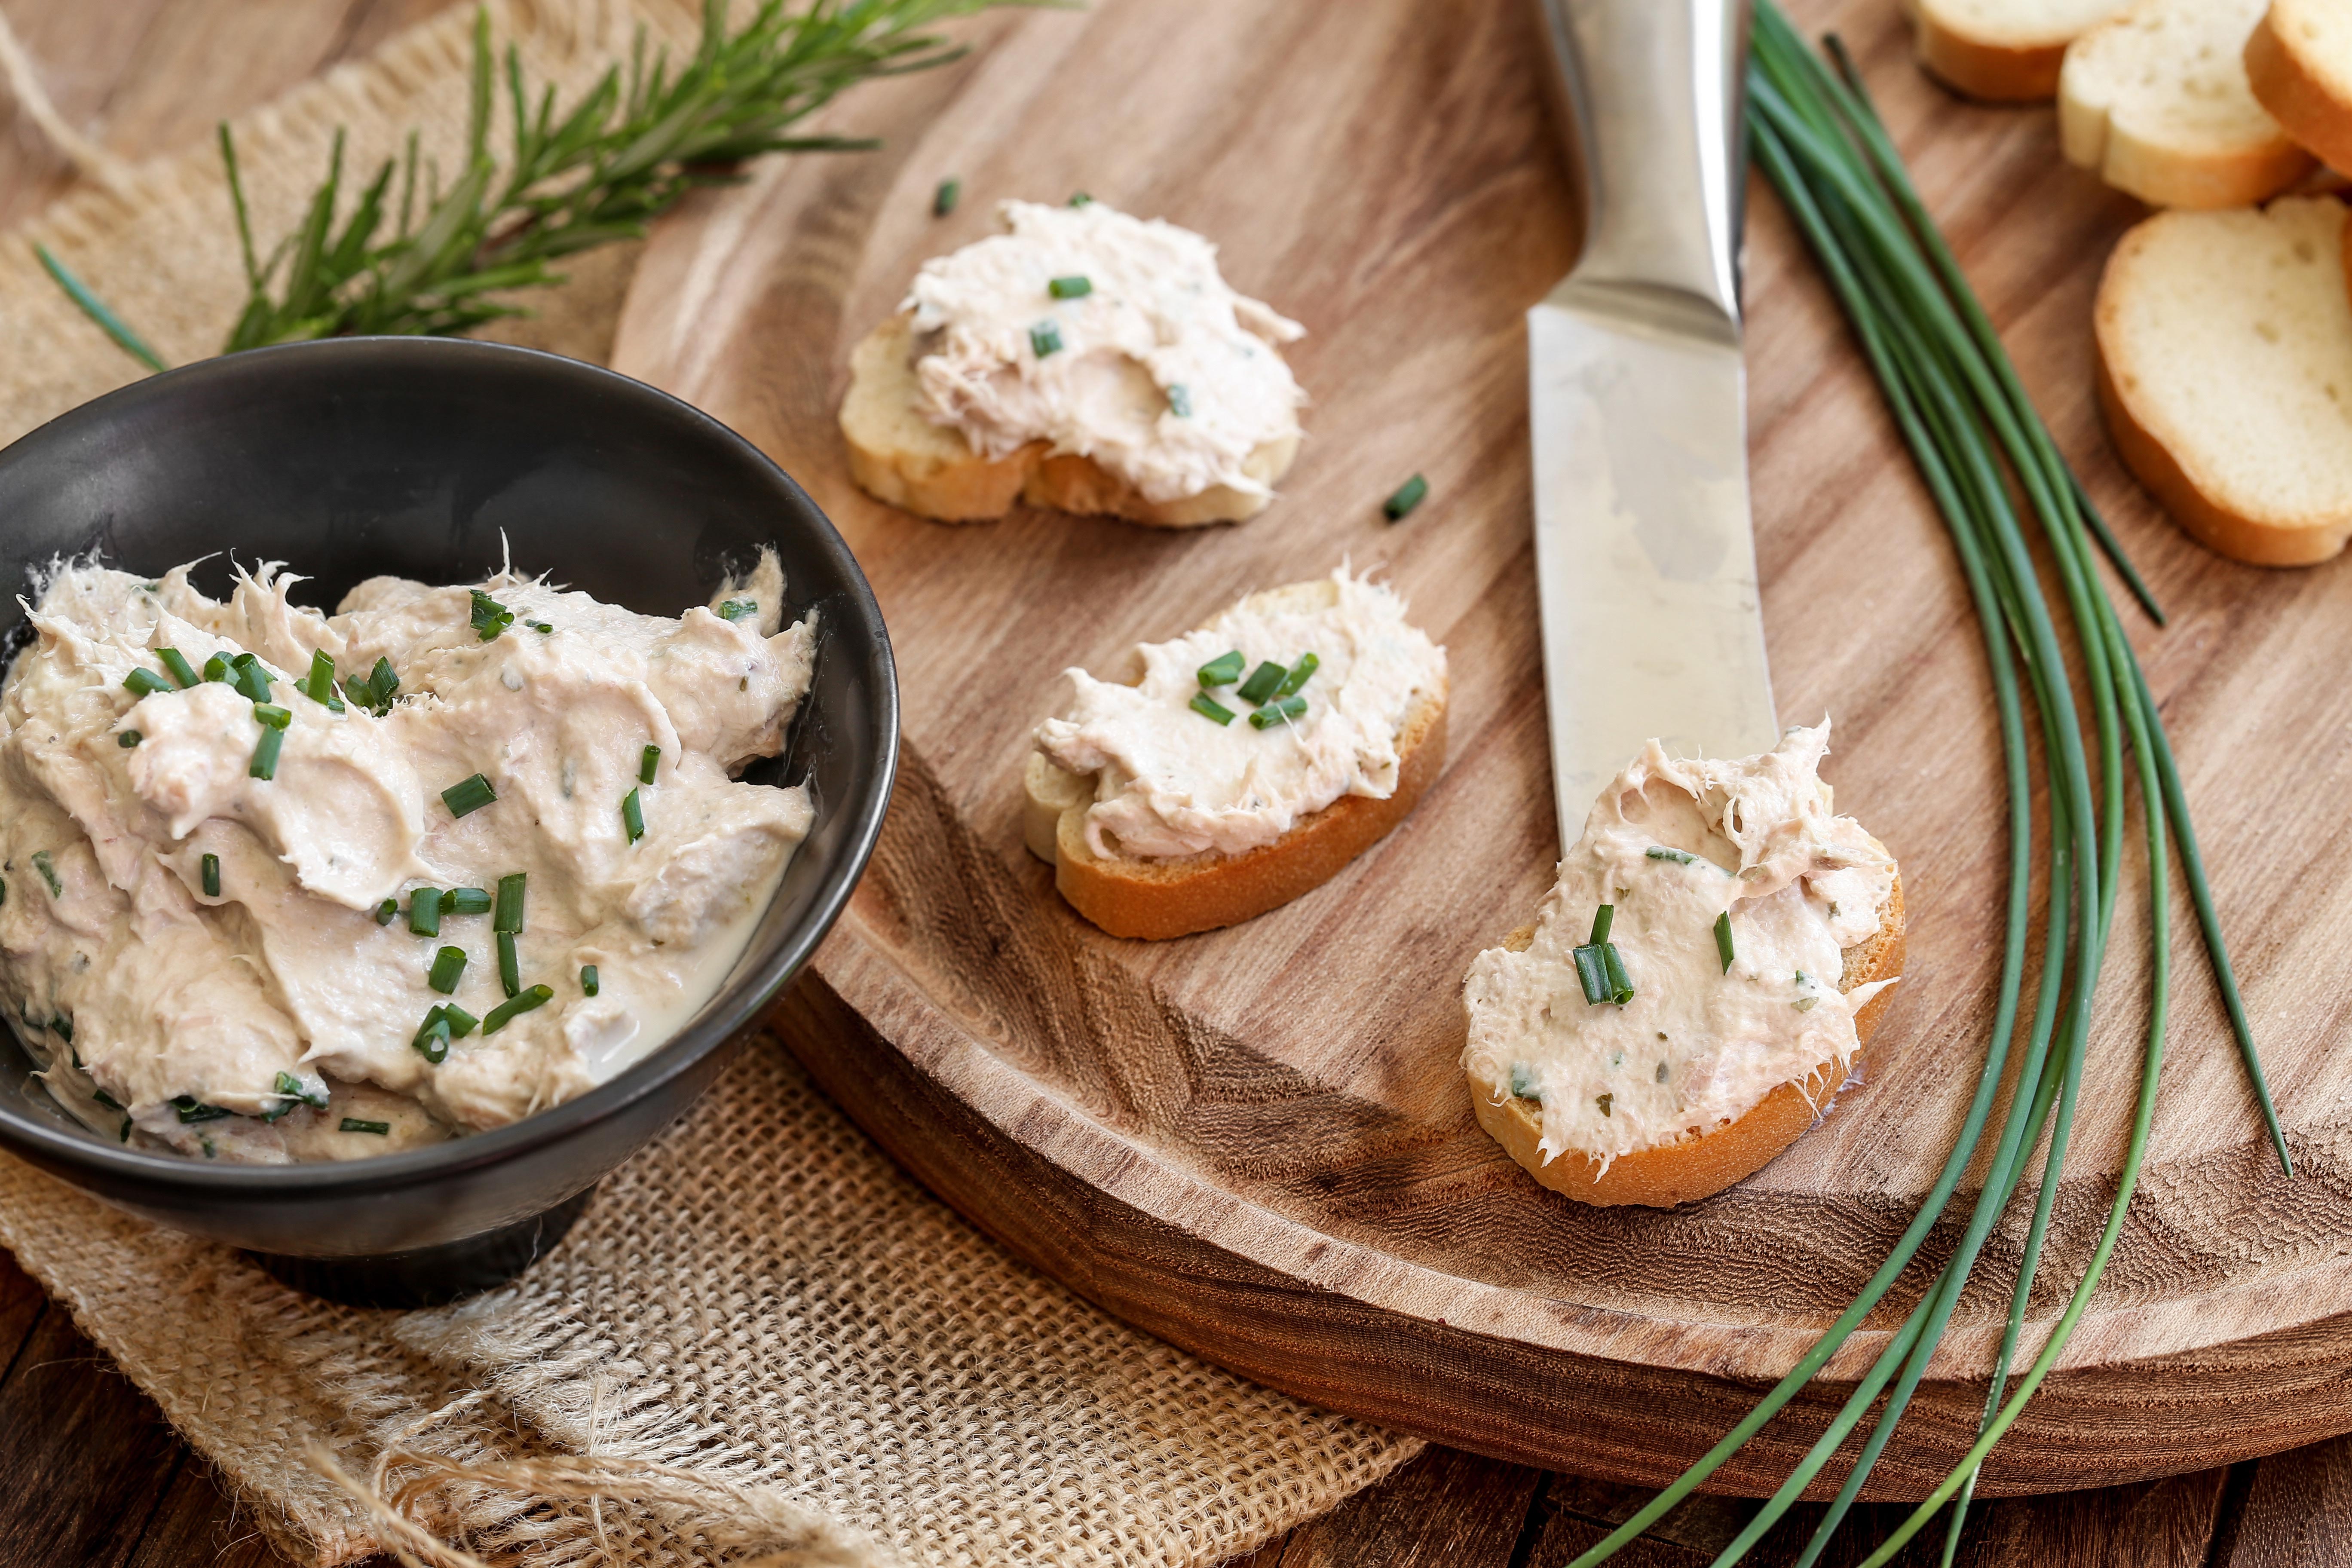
(2224, 326)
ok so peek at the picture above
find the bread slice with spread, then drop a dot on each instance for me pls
(2225, 373)
(2003, 51)
(1241, 764)
(1716, 950)
(1082, 360)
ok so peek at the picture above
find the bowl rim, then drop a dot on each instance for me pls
(119, 1167)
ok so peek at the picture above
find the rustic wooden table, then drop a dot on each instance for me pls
(90, 1473)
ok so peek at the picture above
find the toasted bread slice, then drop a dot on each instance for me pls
(2299, 62)
(1704, 1162)
(898, 456)
(2225, 373)
(2156, 101)
(2002, 51)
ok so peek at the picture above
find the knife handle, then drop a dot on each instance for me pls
(1652, 92)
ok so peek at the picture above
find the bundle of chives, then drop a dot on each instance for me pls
(1972, 430)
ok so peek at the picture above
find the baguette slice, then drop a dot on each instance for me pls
(2225, 373)
(2299, 61)
(898, 456)
(1697, 1167)
(2003, 51)
(2156, 103)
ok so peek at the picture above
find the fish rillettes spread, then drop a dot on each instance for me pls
(281, 886)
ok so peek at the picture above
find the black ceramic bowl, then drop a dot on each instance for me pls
(418, 456)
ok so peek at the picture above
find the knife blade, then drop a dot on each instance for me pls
(1645, 557)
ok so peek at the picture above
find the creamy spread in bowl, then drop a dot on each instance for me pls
(1734, 888)
(1171, 779)
(1108, 337)
(281, 886)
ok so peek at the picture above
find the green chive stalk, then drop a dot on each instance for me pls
(1963, 412)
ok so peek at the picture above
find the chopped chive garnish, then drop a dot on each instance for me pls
(288, 1084)
(466, 901)
(1523, 1083)
(469, 795)
(448, 967)
(648, 760)
(354, 1124)
(1045, 338)
(1621, 984)
(177, 663)
(1591, 973)
(632, 817)
(211, 875)
(424, 911)
(1723, 939)
(217, 669)
(944, 199)
(490, 617)
(387, 911)
(252, 679)
(1180, 400)
(432, 1041)
(1299, 672)
(145, 682)
(1602, 918)
(375, 692)
(265, 755)
(1679, 856)
(1081, 199)
(541, 626)
(47, 868)
(499, 1015)
(192, 1109)
(510, 895)
(269, 713)
(1263, 681)
(106, 1100)
(1275, 712)
(1804, 1004)
(509, 965)
(1208, 707)
(461, 1023)
(1408, 496)
(1075, 287)
(319, 686)
(1224, 670)
(739, 609)
(128, 739)
(588, 980)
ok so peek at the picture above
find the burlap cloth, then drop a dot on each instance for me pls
(764, 1341)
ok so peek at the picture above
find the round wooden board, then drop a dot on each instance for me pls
(1255, 1142)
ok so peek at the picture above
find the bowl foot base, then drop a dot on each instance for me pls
(429, 1275)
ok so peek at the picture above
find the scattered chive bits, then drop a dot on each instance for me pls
(1275, 712)
(507, 1011)
(509, 965)
(588, 983)
(648, 762)
(490, 619)
(1075, 287)
(1306, 666)
(376, 691)
(1523, 1083)
(424, 911)
(190, 1109)
(128, 739)
(1208, 707)
(380, 1129)
(448, 968)
(1045, 338)
(632, 817)
(1406, 497)
(1260, 687)
(466, 901)
(144, 683)
(1599, 971)
(265, 755)
(252, 677)
(739, 610)
(217, 669)
(1723, 939)
(291, 1088)
(1224, 670)
(270, 714)
(541, 626)
(177, 663)
(944, 199)
(1679, 856)
(461, 1023)
(211, 875)
(319, 686)
(469, 795)
(1180, 400)
(387, 911)
(49, 870)
(432, 1041)
(509, 919)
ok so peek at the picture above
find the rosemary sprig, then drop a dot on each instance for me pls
(419, 253)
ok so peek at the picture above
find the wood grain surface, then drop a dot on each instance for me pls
(1255, 1142)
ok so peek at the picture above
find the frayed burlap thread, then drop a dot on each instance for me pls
(764, 1346)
